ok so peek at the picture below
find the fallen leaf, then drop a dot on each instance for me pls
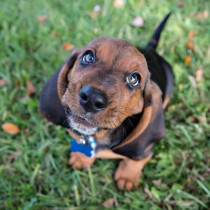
(17, 84)
(108, 203)
(3, 82)
(42, 19)
(157, 182)
(198, 75)
(146, 190)
(118, 3)
(203, 118)
(30, 88)
(172, 50)
(188, 60)
(45, 150)
(192, 80)
(201, 15)
(67, 46)
(180, 4)
(190, 45)
(181, 86)
(206, 14)
(94, 14)
(191, 34)
(95, 30)
(54, 33)
(96, 8)
(137, 21)
(10, 128)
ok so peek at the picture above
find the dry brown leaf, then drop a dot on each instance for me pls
(201, 15)
(67, 46)
(203, 118)
(198, 75)
(17, 84)
(180, 4)
(172, 50)
(3, 82)
(54, 33)
(45, 150)
(94, 14)
(149, 193)
(42, 19)
(137, 21)
(206, 14)
(118, 3)
(190, 45)
(188, 60)
(30, 88)
(191, 34)
(157, 182)
(108, 203)
(10, 128)
(181, 86)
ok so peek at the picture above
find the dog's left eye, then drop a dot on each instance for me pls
(133, 79)
(88, 58)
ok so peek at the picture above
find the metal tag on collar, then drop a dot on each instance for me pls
(86, 146)
(82, 140)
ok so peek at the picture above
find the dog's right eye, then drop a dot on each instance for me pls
(88, 58)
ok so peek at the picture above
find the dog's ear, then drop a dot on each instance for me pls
(50, 104)
(62, 77)
(151, 124)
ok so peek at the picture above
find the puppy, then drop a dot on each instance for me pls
(111, 95)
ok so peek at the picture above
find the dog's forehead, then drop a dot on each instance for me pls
(110, 47)
(116, 52)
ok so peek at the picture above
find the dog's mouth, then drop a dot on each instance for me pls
(80, 125)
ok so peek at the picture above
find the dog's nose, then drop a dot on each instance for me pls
(92, 100)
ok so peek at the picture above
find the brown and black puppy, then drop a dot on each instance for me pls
(116, 94)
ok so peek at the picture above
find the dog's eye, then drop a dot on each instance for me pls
(88, 58)
(133, 79)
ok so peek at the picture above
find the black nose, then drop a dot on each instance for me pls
(92, 100)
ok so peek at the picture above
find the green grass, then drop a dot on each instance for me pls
(39, 177)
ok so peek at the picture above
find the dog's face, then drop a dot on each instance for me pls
(105, 84)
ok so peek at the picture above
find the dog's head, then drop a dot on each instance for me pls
(104, 83)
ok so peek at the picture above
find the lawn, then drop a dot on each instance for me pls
(35, 39)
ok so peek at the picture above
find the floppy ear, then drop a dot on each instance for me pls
(62, 78)
(151, 124)
(50, 105)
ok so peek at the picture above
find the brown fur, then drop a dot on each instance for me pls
(108, 72)
(95, 99)
(115, 59)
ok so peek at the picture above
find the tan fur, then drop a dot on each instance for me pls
(80, 161)
(111, 68)
(120, 98)
(128, 173)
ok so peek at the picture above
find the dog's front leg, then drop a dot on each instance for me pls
(78, 161)
(128, 173)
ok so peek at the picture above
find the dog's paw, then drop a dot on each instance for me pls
(127, 175)
(80, 161)
(125, 184)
